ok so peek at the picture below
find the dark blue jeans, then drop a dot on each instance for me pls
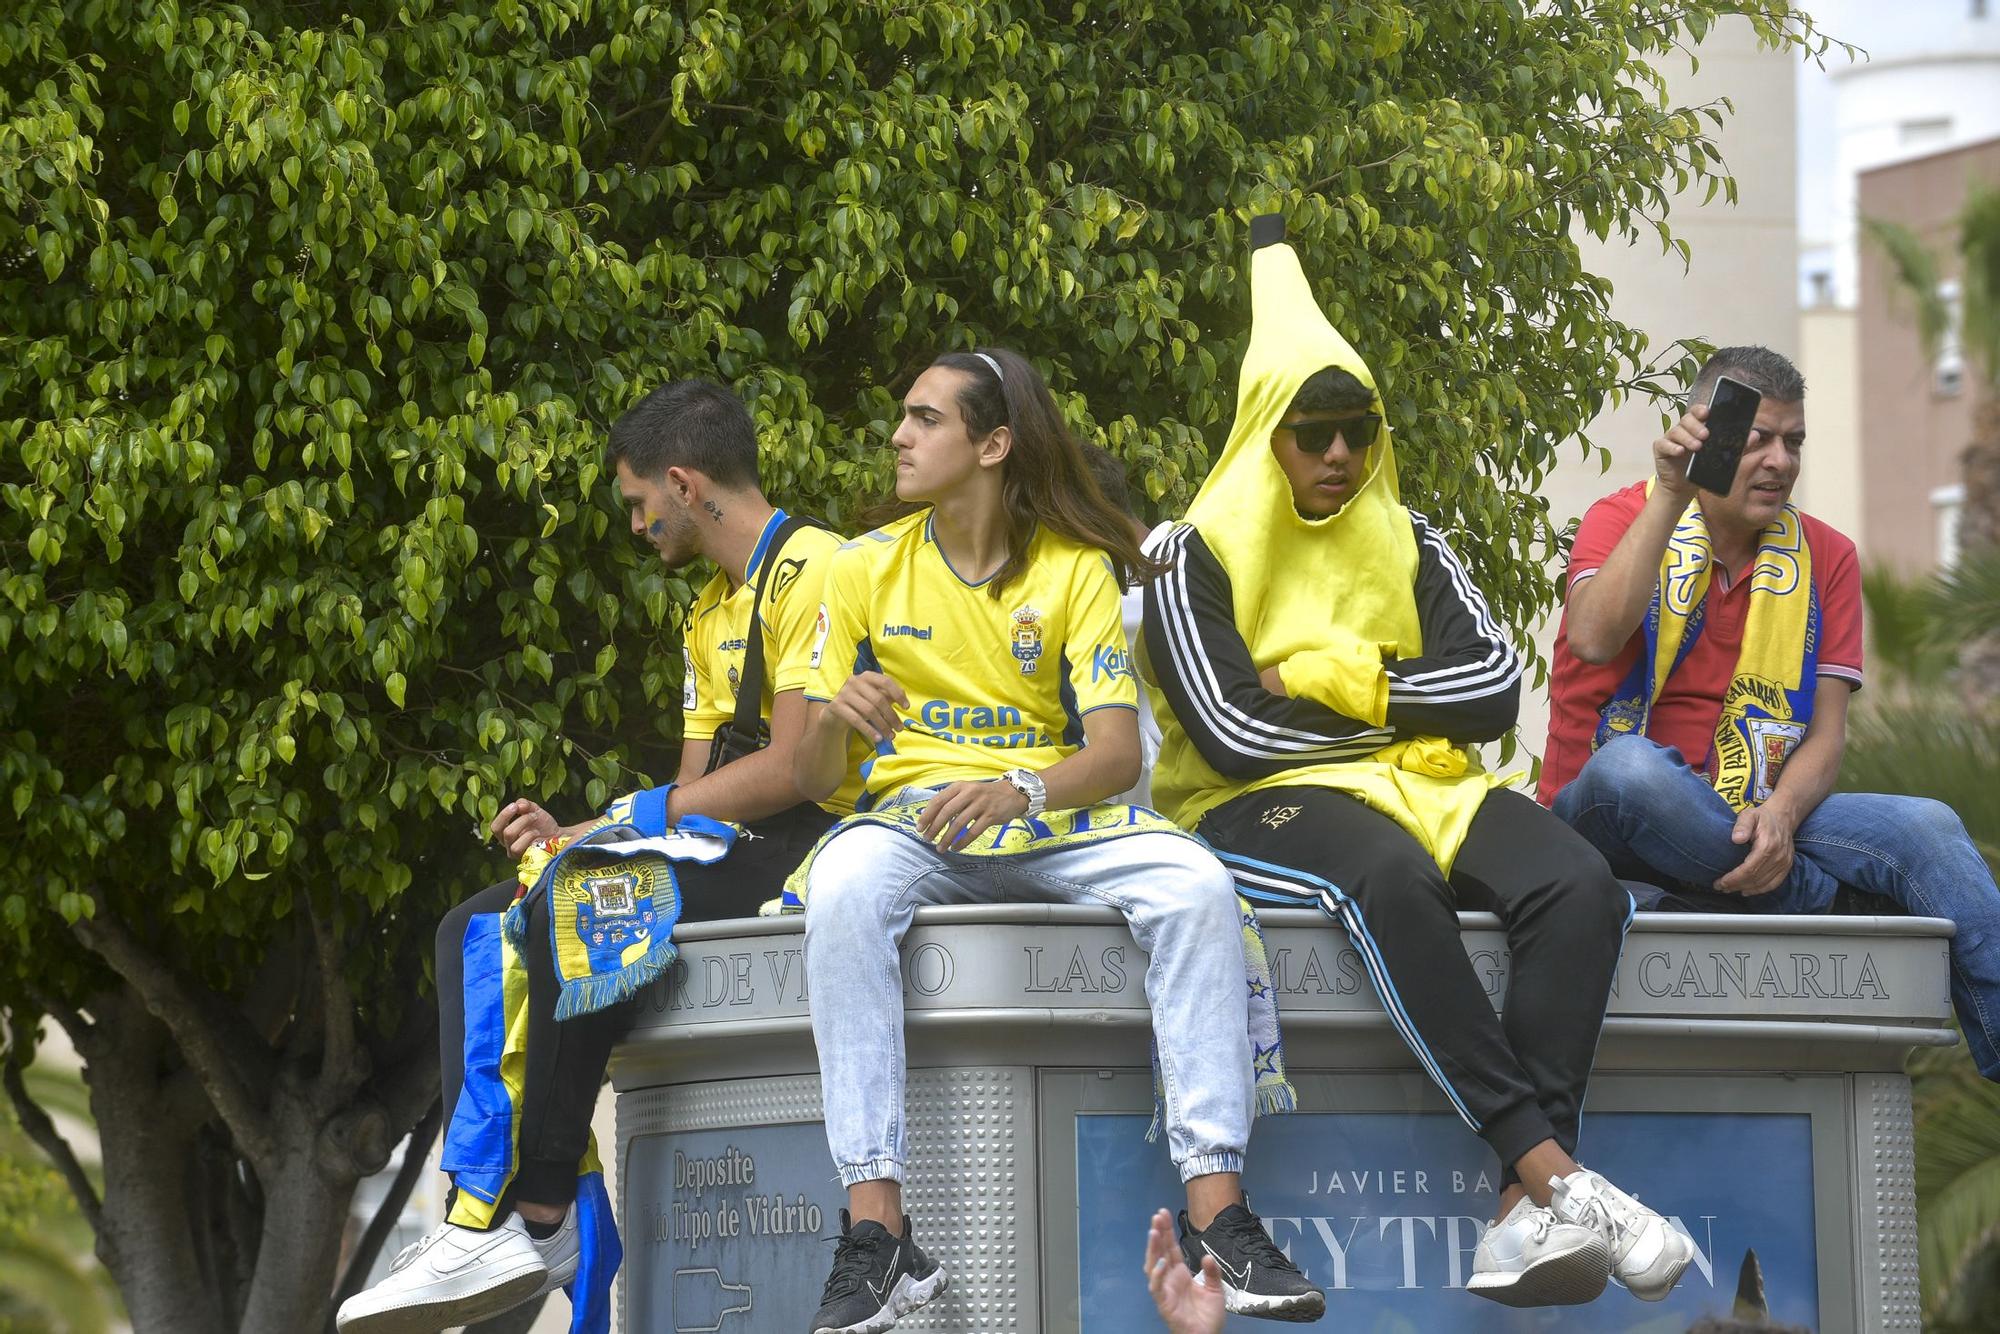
(1654, 817)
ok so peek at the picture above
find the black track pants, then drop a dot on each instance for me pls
(566, 1061)
(1516, 1080)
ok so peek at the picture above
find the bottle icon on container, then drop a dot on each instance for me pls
(704, 1301)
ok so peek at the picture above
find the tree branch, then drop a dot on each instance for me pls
(82, 1032)
(337, 1072)
(412, 1053)
(272, 999)
(391, 1208)
(227, 1057)
(39, 1128)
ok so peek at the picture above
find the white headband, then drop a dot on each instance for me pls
(998, 374)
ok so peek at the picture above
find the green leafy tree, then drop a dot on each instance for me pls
(311, 318)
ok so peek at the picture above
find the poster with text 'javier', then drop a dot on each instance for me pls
(1384, 1212)
(723, 1232)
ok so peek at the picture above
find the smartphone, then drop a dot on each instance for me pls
(1732, 411)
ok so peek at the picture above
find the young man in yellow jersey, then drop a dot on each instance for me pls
(976, 646)
(1324, 663)
(686, 464)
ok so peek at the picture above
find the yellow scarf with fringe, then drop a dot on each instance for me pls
(1769, 702)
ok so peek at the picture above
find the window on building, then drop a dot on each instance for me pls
(1948, 372)
(1925, 132)
(1946, 502)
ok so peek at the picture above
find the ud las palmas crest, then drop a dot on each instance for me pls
(608, 908)
(1027, 638)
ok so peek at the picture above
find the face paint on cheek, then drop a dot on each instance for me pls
(656, 528)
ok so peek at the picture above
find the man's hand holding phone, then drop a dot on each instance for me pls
(1673, 451)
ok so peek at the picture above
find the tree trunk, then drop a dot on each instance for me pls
(298, 1255)
(149, 1116)
(199, 1239)
(321, 1158)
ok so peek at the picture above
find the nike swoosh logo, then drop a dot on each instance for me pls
(1238, 1278)
(453, 1259)
(888, 1279)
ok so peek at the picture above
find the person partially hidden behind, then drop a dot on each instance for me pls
(1323, 662)
(1698, 707)
(976, 646)
(686, 462)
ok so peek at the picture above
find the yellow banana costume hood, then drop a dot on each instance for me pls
(1324, 600)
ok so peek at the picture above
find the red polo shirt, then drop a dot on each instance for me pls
(1690, 704)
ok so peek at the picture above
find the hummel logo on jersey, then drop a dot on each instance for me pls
(906, 632)
(782, 577)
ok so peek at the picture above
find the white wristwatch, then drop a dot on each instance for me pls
(1028, 784)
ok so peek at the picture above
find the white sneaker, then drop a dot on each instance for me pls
(560, 1253)
(1533, 1258)
(1647, 1254)
(455, 1276)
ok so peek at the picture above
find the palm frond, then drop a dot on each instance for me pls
(1952, 1225)
(1904, 642)
(1929, 747)
(1979, 251)
(1964, 604)
(1916, 273)
(1959, 1133)
(43, 1277)
(58, 1091)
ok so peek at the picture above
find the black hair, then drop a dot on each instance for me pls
(1109, 474)
(693, 424)
(1769, 373)
(1331, 389)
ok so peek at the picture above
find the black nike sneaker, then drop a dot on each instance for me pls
(875, 1279)
(1257, 1279)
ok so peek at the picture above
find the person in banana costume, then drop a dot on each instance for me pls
(1321, 664)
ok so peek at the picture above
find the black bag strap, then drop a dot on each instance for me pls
(750, 687)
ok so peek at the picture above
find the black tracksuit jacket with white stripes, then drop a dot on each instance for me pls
(1465, 687)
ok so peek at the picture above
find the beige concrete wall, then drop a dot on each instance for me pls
(1830, 474)
(1912, 433)
(1739, 287)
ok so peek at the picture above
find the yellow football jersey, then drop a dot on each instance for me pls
(718, 637)
(993, 683)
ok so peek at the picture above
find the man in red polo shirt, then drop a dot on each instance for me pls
(1698, 708)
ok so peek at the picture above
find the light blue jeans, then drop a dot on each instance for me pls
(1654, 817)
(865, 885)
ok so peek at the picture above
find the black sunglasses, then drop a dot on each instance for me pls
(1359, 432)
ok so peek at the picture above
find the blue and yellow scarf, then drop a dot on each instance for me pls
(613, 900)
(1769, 703)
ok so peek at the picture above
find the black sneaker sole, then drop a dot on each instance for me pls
(1298, 1308)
